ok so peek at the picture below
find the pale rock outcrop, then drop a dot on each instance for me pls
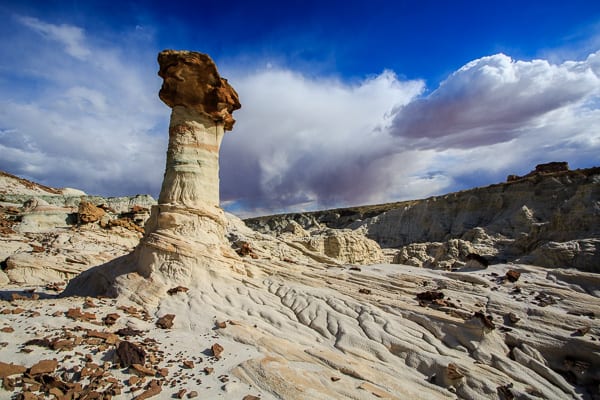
(551, 211)
(344, 245)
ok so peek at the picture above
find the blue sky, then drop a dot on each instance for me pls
(343, 103)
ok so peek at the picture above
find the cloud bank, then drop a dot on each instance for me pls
(82, 111)
(78, 112)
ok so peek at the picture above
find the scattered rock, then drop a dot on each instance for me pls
(512, 275)
(166, 321)
(128, 332)
(512, 317)
(153, 389)
(246, 250)
(55, 286)
(485, 319)
(208, 370)
(364, 291)
(178, 289)
(10, 369)
(188, 364)
(544, 299)
(142, 370)
(192, 394)
(335, 378)
(221, 325)
(250, 397)
(583, 330)
(430, 295)
(43, 367)
(217, 349)
(111, 319)
(130, 353)
(77, 314)
(453, 373)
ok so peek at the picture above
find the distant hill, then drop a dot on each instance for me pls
(549, 217)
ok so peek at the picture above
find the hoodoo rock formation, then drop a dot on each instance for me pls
(186, 230)
(293, 316)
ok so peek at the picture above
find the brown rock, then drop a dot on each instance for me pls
(217, 350)
(108, 337)
(153, 389)
(37, 249)
(130, 353)
(364, 291)
(192, 394)
(188, 364)
(166, 321)
(164, 372)
(513, 318)
(335, 378)
(88, 213)
(485, 319)
(430, 295)
(10, 369)
(56, 286)
(512, 275)
(17, 296)
(43, 367)
(128, 332)
(191, 80)
(250, 397)
(221, 325)
(134, 379)
(181, 393)
(453, 373)
(111, 319)
(77, 314)
(8, 384)
(246, 250)
(7, 329)
(89, 303)
(208, 370)
(142, 370)
(178, 289)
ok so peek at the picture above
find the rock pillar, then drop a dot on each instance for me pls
(187, 226)
(202, 104)
(184, 241)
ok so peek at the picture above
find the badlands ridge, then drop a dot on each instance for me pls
(490, 293)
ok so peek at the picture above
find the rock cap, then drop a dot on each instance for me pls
(191, 80)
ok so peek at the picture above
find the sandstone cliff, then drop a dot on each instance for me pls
(549, 219)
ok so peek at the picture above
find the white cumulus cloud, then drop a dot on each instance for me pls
(495, 99)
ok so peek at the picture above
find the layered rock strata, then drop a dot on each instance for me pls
(549, 217)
